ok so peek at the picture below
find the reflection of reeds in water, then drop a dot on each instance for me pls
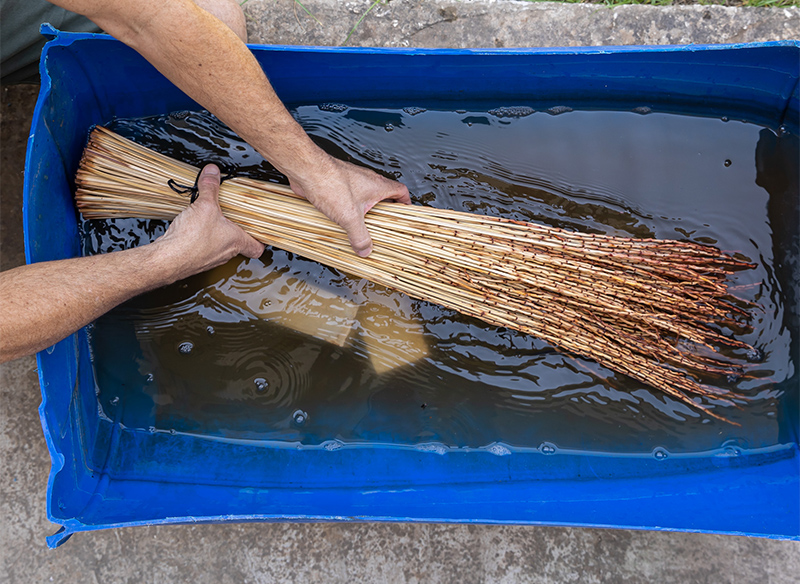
(646, 308)
(377, 323)
(389, 332)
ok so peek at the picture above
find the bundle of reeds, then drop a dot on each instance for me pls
(650, 309)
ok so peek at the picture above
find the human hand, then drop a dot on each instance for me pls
(345, 192)
(201, 238)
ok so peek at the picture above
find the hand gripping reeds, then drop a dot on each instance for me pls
(642, 307)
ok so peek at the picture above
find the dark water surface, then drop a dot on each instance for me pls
(284, 349)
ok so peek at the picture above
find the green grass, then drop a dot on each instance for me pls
(307, 11)
(755, 3)
(611, 2)
(363, 16)
(774, 3)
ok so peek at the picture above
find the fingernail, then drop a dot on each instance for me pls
(211, 170)
(364, 252)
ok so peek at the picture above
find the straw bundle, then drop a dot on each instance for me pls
(646, 308)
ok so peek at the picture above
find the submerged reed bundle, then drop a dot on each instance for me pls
(646, 308)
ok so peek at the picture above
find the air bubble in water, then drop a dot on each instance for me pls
(210, 330)
(512, 111)
(660, 453)
(185, 347)
(261, 384)
(150, 378)
(152, 429)
(728, 162)
(299, 417)
(336, 108)
(755, 354)
(558, 109)
(547, 448)
(388, 127)
(114, 401)
(413, 111)
(642, 109)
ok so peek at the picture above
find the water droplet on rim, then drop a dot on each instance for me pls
(432, 447)
(332, 445)
(660, 453)
(730, 449)
(498, 450)
(547, 448)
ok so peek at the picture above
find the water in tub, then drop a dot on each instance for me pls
(284, 350)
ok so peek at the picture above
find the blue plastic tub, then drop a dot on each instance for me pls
(89, 79)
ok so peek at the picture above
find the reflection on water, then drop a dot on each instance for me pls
(285, 349)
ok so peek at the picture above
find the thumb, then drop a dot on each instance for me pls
(208, 190)
(208, 183)
(359, 237)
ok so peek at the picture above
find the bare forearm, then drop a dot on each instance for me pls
(41, 304)
(209, 62)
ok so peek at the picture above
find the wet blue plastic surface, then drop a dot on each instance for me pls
(88, 79)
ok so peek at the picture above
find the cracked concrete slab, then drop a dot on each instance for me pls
(482, 24)
(390, 553)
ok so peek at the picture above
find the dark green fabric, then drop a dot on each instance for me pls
(20, 41)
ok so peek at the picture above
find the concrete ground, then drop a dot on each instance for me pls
(370, 552)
